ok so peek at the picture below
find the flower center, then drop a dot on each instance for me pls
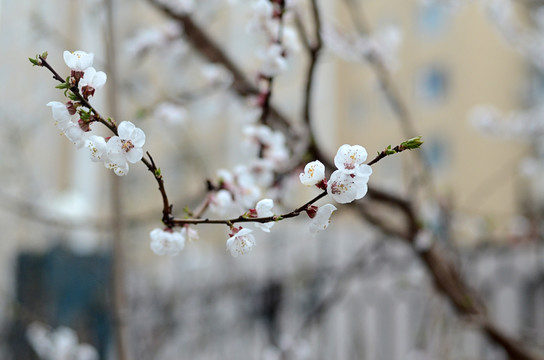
(127, 145)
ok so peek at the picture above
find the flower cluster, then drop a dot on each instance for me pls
(115, 152)
(346, 184)
(61, 343)
(240, 190)
(267, 19)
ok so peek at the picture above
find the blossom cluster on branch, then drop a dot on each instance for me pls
(242, 190)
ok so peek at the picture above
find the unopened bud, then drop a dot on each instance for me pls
(234, 231)
(413, 143)
(71, 108)
(322, 184)
(311, 211)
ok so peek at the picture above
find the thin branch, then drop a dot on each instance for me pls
(74, 89)
(167, 208)
(246, 218)
(313, 52)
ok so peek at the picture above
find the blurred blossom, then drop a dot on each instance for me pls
(383, 44)
(217, 74)
(156, 37)
(166, 241)
(500, 10)
(423, 241)
(222, 203)
(179, 6)
(170, 114)
(519, 226)
(273, 61)
(58, 344)
(290, 39)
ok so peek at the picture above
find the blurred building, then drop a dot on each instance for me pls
(203, 302)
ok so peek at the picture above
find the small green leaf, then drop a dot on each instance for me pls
(62, 86)
(44, 55)
(72, 96)
(34, 61)
(158, 174)
(84, 115)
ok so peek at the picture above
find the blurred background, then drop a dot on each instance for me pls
(465, 75)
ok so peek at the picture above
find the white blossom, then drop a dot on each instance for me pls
(241, 241)
(264, 209)
(322, 217)
(314, 173)
(344, 188)
(166, 242)
(349, 158)
(78, 60)
(93, 79)
(126, 147)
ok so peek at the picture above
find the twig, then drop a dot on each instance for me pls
(313, 52)
(167, 208)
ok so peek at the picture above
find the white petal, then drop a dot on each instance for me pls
(115, 145)
(97, 147)
(135, 155)
(264, 207)
(125, 129)
(265, 226)
(74, 133)
(138, 137)
(99, 80)
(322, 218)
(364, 171)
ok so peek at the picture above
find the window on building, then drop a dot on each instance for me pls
(432, 18)
(432, 84)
